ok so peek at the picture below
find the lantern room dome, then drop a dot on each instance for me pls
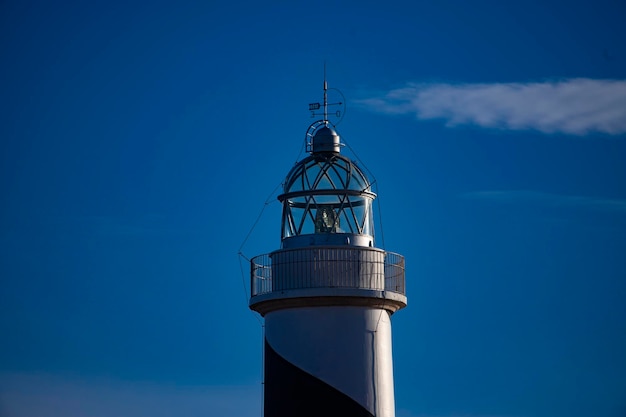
(326, 172)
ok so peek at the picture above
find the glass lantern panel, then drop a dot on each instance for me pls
(358, 182)
(327, 214)
(363, 215)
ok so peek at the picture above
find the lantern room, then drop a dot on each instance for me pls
(327, 199)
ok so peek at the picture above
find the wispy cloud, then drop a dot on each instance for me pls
(549, 199)
(49, 395)
(575, 106)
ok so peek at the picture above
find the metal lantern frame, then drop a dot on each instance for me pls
(325, 183)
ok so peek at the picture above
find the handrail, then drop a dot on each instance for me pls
(327, 267)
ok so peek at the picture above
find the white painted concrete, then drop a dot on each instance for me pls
(348, 347)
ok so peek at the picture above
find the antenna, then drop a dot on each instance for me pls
(325, 97)
(317, 106)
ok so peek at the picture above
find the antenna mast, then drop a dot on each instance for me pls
(313, 107)
(325, 97)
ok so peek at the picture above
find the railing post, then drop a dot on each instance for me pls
(252, 280)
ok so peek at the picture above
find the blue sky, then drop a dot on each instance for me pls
(141, 140)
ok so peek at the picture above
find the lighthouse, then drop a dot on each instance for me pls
(328, 293)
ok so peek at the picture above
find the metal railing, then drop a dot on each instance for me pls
(327, 267)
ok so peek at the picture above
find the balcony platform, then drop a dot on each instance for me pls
(327, 275)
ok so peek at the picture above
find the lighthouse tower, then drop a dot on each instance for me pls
(327, 295)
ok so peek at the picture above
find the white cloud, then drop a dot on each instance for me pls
(574, 106)
(38, 395)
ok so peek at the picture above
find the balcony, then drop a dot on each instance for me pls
(330, 267)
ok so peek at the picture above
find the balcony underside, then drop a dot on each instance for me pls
(319, 297)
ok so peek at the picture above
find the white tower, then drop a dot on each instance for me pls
(328, 293)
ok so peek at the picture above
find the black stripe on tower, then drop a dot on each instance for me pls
(292, 392)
